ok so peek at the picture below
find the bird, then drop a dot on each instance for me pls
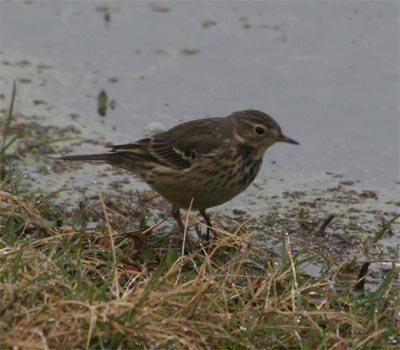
(201, 163)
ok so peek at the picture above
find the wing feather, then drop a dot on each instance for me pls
(179, 147)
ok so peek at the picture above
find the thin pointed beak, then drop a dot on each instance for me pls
(286, 139)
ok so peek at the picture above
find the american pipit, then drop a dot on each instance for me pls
(202, 163)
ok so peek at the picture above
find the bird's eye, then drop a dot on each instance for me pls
(259, 130)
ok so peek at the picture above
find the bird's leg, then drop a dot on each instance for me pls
(189, 246)
(208, 222)
(177, 216)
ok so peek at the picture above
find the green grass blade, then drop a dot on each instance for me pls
(7, 126)
(385, 227)
(49, 142)
(15, 138)
(6, 131)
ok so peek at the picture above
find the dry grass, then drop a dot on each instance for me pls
(68, 287)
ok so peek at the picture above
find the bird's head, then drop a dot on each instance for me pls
(258, 130)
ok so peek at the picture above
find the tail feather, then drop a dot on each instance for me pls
(105, 157)
(115, 159)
